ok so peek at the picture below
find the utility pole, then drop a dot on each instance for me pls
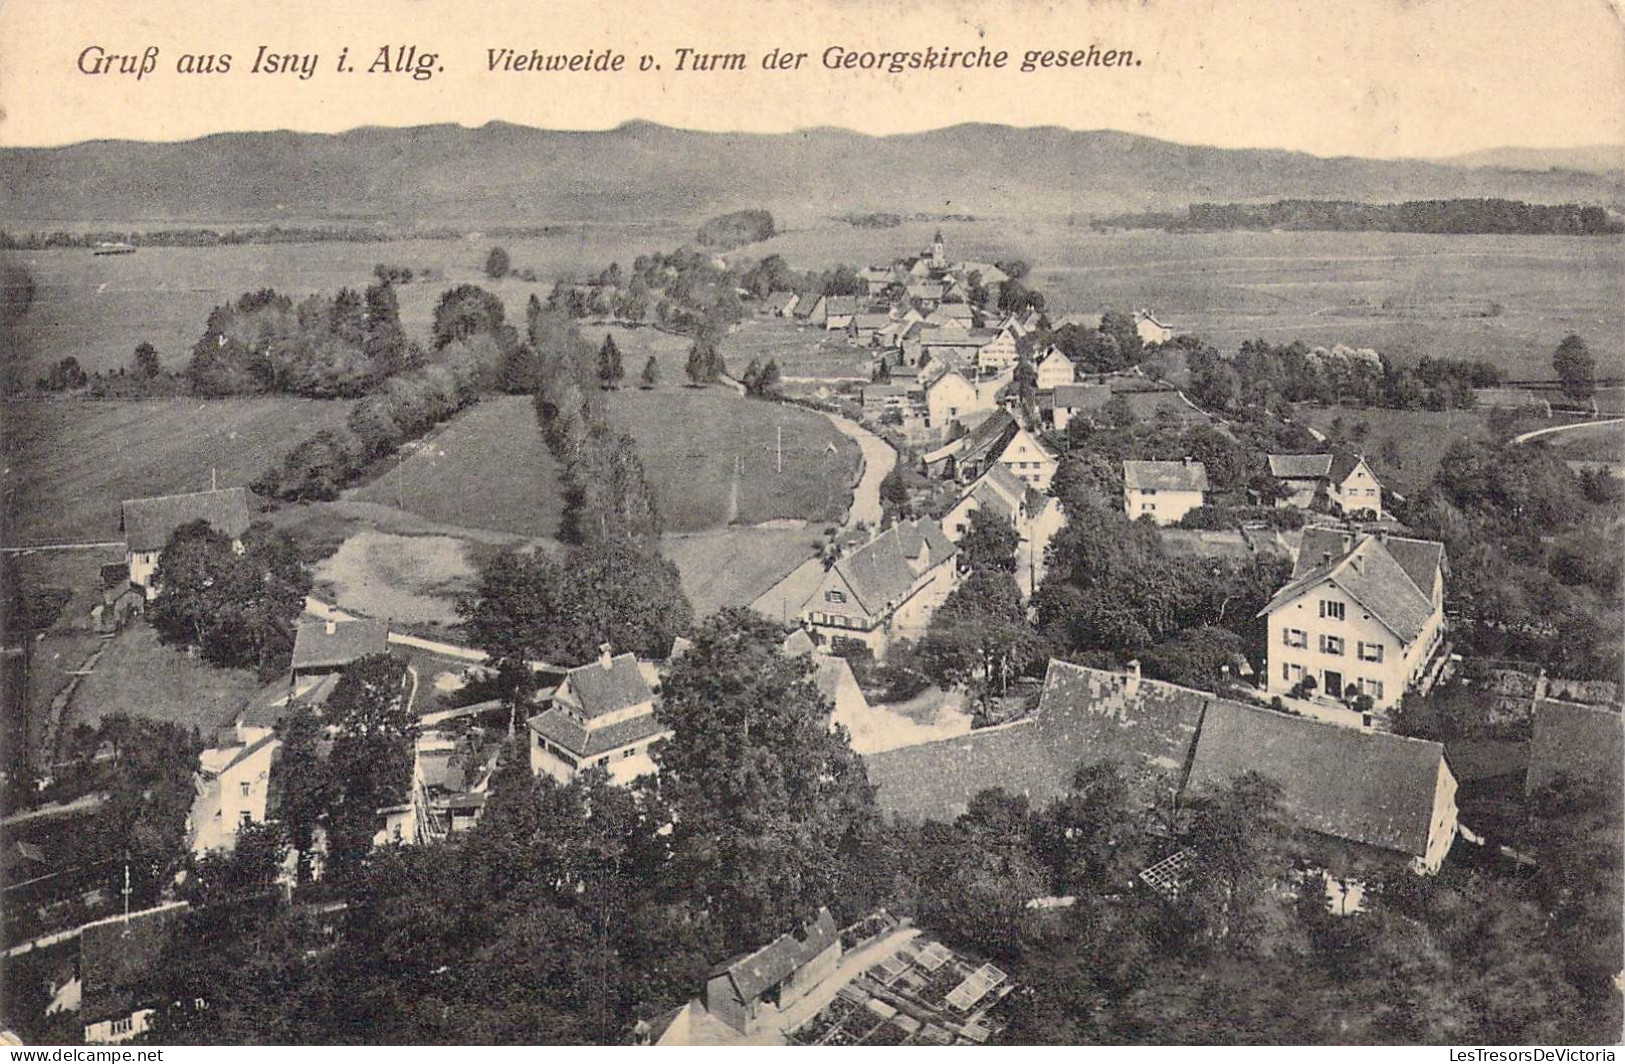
(781, 448)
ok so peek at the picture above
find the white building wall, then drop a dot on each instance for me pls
(1164, 507)
(1287, 664)
(1442, 825)
(1359, 492)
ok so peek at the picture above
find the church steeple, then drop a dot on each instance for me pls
(938, 251)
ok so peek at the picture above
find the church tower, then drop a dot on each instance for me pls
(938, 251)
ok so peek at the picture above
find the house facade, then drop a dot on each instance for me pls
(1028, 460)
(602, 715)
(1054, 369)
(1363, 614)
(1069, 402)
(232, 784)
(887, 588)
(949, 396)
(1163, 491)
(748, 991)
(1353, 488)
(1036, 518)
(149, 523)
(1151, 330)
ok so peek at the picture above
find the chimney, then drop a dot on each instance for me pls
(606, 656)
(1325, 556)
(1187, 459)
(332, 626)
(1131, 683)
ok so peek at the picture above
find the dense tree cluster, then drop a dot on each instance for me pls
(321, 347)
(737, 229)
(1534, 558)
(1414, 216)
(237, 609)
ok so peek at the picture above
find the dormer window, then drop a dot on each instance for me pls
(837, 597)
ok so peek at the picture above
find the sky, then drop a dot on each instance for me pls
(1378, 78)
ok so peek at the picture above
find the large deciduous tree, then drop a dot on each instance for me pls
(237, 609)
(764, 798)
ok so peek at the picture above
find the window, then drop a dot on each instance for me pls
(1370, 651)
(1149, 491)
(245, 818)
(123, 1026)
(1295, 637)
(1372, 688)
(1331, 609)
(1331, 644)
(835, 596)
(245, 790)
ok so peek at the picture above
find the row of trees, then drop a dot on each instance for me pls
(1414, 216)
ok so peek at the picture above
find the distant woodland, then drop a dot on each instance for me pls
(1415, 216)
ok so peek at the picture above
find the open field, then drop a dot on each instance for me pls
(410, 580)
(692, 440)
(97, 308)
(71, 462)
(732, 567)
(488, 468)
(1404, 294)
(1604, 443)
(139, 676)
(485, 468)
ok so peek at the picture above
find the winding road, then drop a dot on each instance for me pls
(879, 458)
(1539, 433)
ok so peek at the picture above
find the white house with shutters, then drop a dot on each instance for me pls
(1163, 491)
(1054, 369)
(1362, 614)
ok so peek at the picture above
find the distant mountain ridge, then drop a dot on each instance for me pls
(1586, 159)
(641, 171)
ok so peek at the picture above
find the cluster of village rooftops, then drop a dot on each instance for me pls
(1359, 622)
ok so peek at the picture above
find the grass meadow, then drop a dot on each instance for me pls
(69, 463)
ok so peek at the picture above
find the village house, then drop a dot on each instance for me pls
(327, 647)
(1071, 401)
(115, 956)
(747, 991)
(812, 309)
(1036, 518)
(839, 311)
(1028, 460)
(232, 784)
(864, 326)
(779, 304)
(1386, 798)
(887, 588)
(832, 676)
(1054, 369)
(149, 523)
(1378, 794)
(1344, 482)
(1362, 614)
(949, 395)
(877, 279)
(601, 715)
(1163, 491)
(1151, 330)
(971, 455)
(745, 996)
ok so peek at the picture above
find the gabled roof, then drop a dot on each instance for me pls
(315, 647)
(842, 305)
(1001, 489)
(1165, 476)
(1084, 715)
(599, 689)
(871, 321)
(148, 523)
(1082, 396)
(116, 954)
(557, 726)
(1344, 463)
(248, 752)
(797, 644)
(1082, 321)
(1053, 352)
(1369, 572)
(1367, 787)
(754, 973)
(879, 574)
(1299, 466)
(1581, 742)
(993, 434)
(780, 300)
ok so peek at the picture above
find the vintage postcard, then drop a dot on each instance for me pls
(812, 523)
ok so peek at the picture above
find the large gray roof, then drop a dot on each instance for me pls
(1581, 742)
(1368, 787)
(1370, 569)
(314, 647)
(600, 690)
(1165, 476)
(879, 573)
(148, 523)
(754, 973)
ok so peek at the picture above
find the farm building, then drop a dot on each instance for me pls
(747, 990)
(149, 523)
(1071, 401)
(1163, 491)
(321, 647)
